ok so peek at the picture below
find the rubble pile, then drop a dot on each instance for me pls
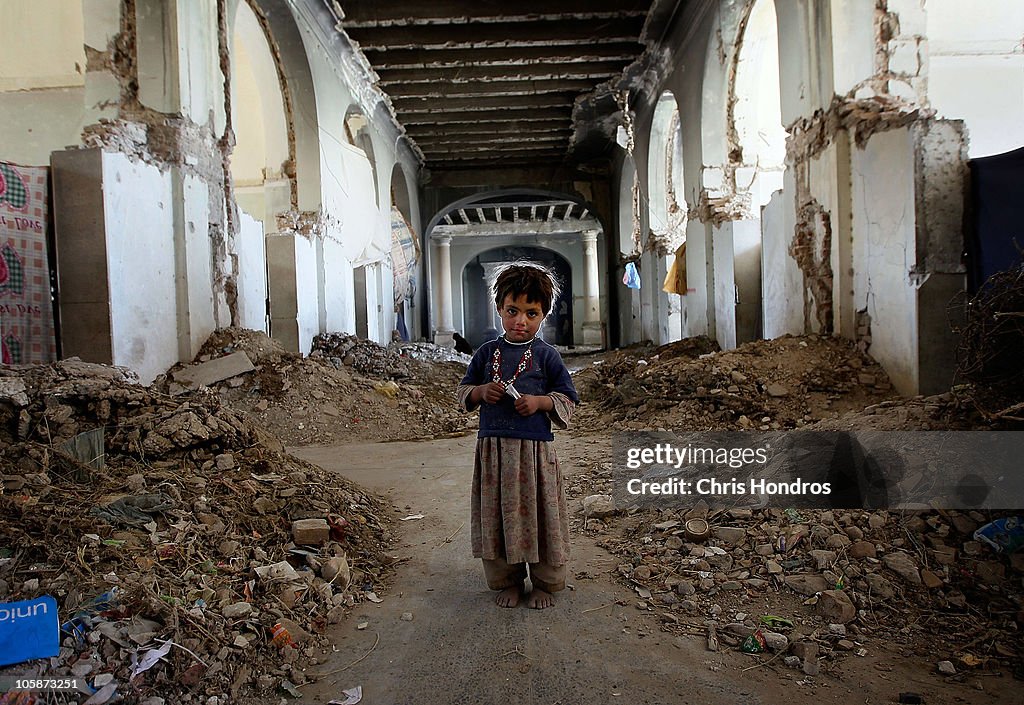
(428, 352)
(764, 385)
(188, 554)
(348, 390)
(830, 581)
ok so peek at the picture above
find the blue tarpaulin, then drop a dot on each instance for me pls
(28, 630)
(995, 242)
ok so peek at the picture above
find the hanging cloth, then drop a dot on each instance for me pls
(632, 276)
(675, 280)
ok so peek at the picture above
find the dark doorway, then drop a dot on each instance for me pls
(479, 315)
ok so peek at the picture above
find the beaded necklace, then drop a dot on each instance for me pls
(524, 363)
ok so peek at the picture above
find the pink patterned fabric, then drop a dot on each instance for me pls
(26, 311)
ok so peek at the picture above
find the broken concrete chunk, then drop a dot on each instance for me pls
(880, 586)
(238, 610)
(903, 565)
(806, 584)
(310, 532)
(598, 506)
(835, 606)
(12, 389)
(730, 534)
(337, 571)
(207, 373)
(862, 549)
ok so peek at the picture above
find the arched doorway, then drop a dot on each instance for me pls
(667, 216)
(757, 158)
(259, 162)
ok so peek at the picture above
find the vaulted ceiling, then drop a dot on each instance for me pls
(501, 83)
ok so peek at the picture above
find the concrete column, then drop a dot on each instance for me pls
(490, 270)
(593, 329)
(443, 302)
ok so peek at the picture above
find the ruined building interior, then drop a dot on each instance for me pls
(304, 168)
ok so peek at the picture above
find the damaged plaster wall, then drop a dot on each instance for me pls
(160, 105)
(350, 227)
(697, 96)
(860, 131)
(974, 62)
(861, 167)
(42, 82)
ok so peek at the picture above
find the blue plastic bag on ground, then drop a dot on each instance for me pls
(28, 630)
(1004, 535)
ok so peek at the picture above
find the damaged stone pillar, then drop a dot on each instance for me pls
(593, 328)
(908, 202)
(443, 301)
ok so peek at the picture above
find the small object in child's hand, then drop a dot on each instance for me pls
(512, 392)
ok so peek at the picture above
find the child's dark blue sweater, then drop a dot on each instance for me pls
(545, 373)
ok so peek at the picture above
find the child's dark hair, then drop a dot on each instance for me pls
(535, 281)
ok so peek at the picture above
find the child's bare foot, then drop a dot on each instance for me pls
(540, 599)
(509, 597)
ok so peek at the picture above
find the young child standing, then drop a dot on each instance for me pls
(521, 386)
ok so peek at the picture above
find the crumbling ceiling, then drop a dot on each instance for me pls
(484, 83)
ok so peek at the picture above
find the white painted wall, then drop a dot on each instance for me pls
(782, 302)
(198, 309)
(975, 68)
(884, 251)
(137, 200)
(35, 123)
(724, 286)
(42, 78)
(337, 295)
(853, 22)
(252, 274)
(696, 280)
(306, 295)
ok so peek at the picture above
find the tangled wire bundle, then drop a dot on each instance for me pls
(991, 349)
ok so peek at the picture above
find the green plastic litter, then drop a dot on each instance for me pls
(773, 621)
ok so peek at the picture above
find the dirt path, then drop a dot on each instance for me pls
(459, 646)
(593, 647)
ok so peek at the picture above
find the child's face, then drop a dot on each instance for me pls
(520, 318)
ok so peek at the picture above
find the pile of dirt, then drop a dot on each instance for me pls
(841, 581)
(193, 534)
(349, 390)
(786, 383)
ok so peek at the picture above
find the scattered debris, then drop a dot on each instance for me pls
(178, 563)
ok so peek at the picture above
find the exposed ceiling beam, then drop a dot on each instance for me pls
(454, 90)
(374, 12)
(500, 56)
(518, 228)
(407, 106)
(508, 174)
(512, 157)
(463, 74)
(428, 141)
(501, 116)
(488, 128)
(480, 150)
(504, 34)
